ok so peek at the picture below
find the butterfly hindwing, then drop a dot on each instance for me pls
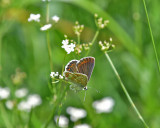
(78, 79)
(86, 65)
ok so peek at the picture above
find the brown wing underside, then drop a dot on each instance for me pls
(86, 65)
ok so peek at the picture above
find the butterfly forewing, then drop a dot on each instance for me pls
(71, 66)
(86, 65)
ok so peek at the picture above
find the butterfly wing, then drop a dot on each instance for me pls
(86, 65)
(78, 79)
(71, 66)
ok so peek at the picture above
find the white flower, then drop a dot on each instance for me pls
(68, 47)
(52, 74)
(65, 42)
(63, 121)
(46, 0)
(34, 17)
(32, 101)
(76, 113)
(82, 126)
(46, 27)
(4, 93)
(21, 92)
(60, 77)
(9, 104)
(55, 18)
(104, 105)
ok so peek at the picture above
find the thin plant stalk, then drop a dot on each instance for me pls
(5, 117)
(78, 38)
(92, 43)
(47, 12)
(153, 43)
(59, 99)
(0, 56)
(48, 39)
(125, 91)
(49, 50)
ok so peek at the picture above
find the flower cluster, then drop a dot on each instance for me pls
(46, 27)
(56, 74)
(78, 28)
(36, 18)
(31, 102)
(86, 46)
(63, 121)
(4, 93)
(68, 47)
(76, 113)
(18, 77)
(104, 105)
(100, 22)
(55, 18)
(106, 46)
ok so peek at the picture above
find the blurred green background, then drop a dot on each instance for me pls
(23, 45)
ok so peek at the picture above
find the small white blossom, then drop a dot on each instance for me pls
(104, 105)
(46, 27)
(55, 18)
(52, 74)
(65, 42)
(4, 93)
(32, 101)
(46, 0)
(60, 77)
(76, 113)
(56, 74)
(9, 104)
(82, 126)
(110, 39)
(21, 92)
(34, 17)
(63, 121)
(68, 47)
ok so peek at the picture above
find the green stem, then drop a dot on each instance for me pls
(47, 12)
(63, 64)
(5, 117)
(49, 50)
(125, 91)
(50, 117)
(0, 57)
(78, 38)
(92, 43)
(154, 47)
(55, 106)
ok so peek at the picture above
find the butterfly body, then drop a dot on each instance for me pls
(78, 72)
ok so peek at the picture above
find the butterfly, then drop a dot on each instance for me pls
(78, 72)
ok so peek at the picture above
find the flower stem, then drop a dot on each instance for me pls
(0, 57)
(5, 117)
(49, 50)
(153, 43)
(125, 91)
(47, 12)
(92, 43)
(78, 38)
(48, 39)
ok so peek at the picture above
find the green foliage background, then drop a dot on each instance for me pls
(23, 45)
